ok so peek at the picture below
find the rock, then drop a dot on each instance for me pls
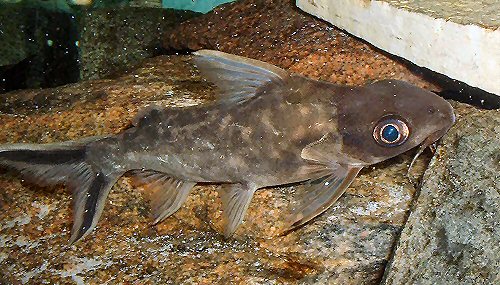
(114, 39)
(453, 234)
(469, 32)
(13, 48)
(277, 32)
(348, 244)
(37, 48)
(145, 3)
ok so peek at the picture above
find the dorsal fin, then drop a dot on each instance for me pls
(238, 78)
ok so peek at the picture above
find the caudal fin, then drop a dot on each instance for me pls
(64, 163)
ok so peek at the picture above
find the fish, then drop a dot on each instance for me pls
(267, 127)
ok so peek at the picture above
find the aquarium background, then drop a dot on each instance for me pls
(202, 6)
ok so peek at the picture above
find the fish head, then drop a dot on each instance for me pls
(390, 117)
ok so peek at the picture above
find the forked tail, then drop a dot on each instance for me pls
(64, 163)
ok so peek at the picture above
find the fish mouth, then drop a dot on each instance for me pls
(432, 139)
(431, 142)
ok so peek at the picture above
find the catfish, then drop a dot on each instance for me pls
(268, 127)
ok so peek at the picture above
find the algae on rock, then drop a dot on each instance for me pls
(453, 235)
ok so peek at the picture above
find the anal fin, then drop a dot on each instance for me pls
(321, 194)
(235, 201)
(166, 194)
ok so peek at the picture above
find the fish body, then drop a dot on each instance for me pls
(257, 141)
(268, 127)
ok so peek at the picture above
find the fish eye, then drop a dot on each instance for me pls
(391, 131)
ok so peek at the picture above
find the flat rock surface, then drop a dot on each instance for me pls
(456, 38)
(466, 12)
(276, 31)
(453, 235)
(349, 244)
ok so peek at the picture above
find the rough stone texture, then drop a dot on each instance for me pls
(145, 3)
(348, 244)
(13, 48)
(458, 38)
(465, 12)
(276, 31)
(113, 39)
(453, 235)
(37, 48)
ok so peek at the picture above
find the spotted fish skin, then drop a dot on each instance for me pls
(258, 141)
(268, 127)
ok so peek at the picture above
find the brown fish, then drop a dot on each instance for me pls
(268, 127)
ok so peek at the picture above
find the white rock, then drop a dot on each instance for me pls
(458, 38)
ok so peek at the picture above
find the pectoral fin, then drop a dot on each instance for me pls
(166, 194)
(235, 201)
(320, 194)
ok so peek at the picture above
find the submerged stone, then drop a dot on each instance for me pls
(453, 235)
(420, 30)
(113, 39)
(276, 31)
